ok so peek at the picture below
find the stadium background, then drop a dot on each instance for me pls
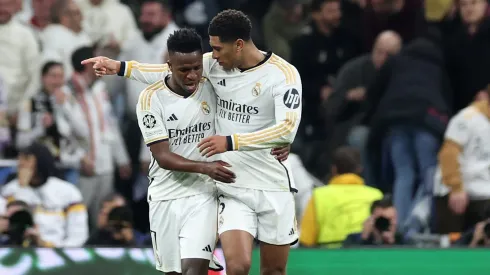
(287, 28)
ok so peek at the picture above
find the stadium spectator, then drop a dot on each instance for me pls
(47, 118)
(380, 228)
(104, 143)
(41, 16)
(478, 235)
(468, 56)
(108, 203)
(117, 232)
(347, 104)
(64, 35)
(58, 211)
(408, 112)
(285, 21)
(461, 185)
(102, 19)
(5, 137)
(341, 207)
(405, 17)
(318, 56)
(19, 53)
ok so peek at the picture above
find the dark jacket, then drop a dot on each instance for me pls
(468, 59)
(411, 88)
(318, 58)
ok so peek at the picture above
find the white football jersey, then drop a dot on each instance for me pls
(183, 121)
(257, 109)
(470, 129)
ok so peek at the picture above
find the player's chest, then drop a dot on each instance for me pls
(251, 89)
(184, 113)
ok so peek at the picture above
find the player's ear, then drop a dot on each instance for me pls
(239, 43)
(169, 65)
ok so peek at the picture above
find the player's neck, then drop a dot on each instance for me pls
(172, 85)
(253, 57)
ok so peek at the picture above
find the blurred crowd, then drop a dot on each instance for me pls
(393, 147)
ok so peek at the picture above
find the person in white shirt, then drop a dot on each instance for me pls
(461, 188)
(58, 212)
(103, 142)
(258, 108)
(19, 62)
(174, 114)
(103, 19)
(64, 35)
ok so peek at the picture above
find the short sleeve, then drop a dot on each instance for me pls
(458, 129)
(150, 118)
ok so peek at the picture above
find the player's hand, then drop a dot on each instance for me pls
(103, 65)
(458, 200)
(211, 146)
(281, 153)
(217, 170)
(478, 234)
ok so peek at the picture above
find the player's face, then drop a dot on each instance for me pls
(186, 69)
(53, 79)
(227, 54)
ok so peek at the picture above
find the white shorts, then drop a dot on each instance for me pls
(183, 229)
(269, 216)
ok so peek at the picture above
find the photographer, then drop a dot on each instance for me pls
(479, 236)
(17, 226)
(57, 211)
(117, 232)
(380, 228)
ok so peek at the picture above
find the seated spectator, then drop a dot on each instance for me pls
(56, 205)
(47, 117)
(408, 112)
(380, 228)
(462, 190)
(117, 232)
(340, 208)
(108, 203)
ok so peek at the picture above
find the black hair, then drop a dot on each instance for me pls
(230, 25)
(347, 160)
(385, 202)
(79, 55)
(120, 214)
(184, 41)
(48, 65)
(316, 5)
(45, 162)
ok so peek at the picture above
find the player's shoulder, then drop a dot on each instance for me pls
(148, 96)
(208, 61)
(281, 70)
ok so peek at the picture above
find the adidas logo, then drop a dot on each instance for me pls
(291, 232)
(207, 248)
(222, 82)
(172, 118)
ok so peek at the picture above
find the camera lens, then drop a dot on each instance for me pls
(382, 224)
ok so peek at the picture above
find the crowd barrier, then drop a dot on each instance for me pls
(140, 261)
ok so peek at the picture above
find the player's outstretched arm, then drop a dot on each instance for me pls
(141, 72)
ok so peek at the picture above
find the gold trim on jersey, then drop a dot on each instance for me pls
(145, 97)
(286, 68)
(284, 128)
(155, 139)
(143, 67)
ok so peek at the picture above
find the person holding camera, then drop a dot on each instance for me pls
(380, 228)
(118, 231)
(479, 235)
(57, 210)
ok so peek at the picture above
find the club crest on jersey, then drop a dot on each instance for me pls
(149, 121)
(292, 99)
(205, 108)
(256, 89)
